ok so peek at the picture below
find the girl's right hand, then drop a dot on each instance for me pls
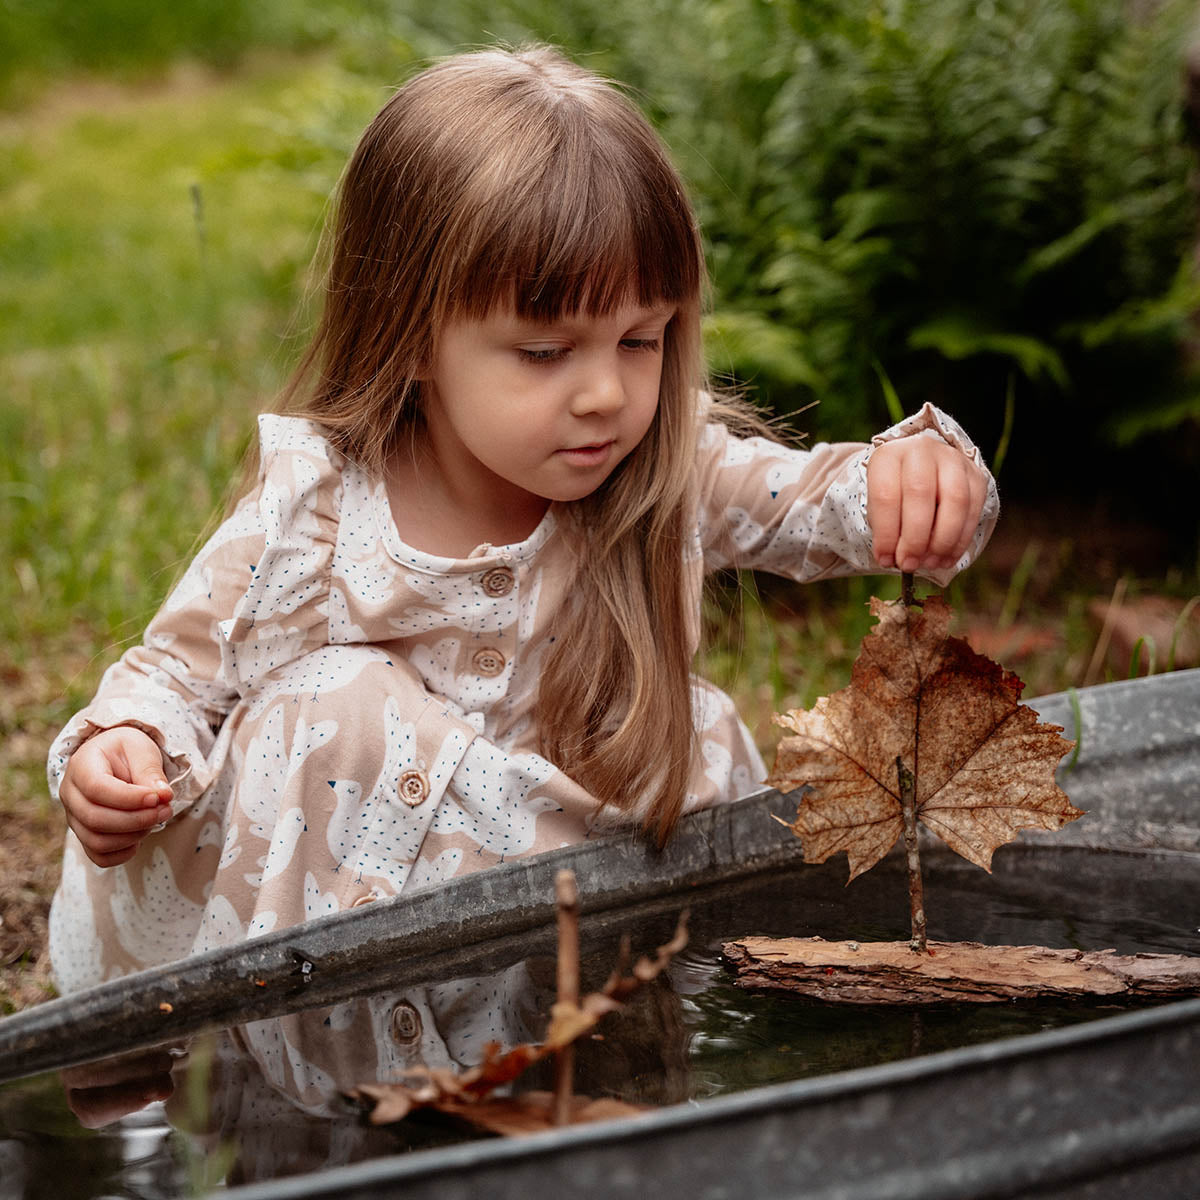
(114, 793)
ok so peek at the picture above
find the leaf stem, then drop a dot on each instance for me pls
(916, 889)
(567, 895)
(906, 589)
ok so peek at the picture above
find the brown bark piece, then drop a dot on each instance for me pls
(890, 973)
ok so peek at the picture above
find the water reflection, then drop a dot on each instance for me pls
(267, 1099)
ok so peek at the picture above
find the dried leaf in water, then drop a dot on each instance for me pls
(533, 1112)
(983, 763)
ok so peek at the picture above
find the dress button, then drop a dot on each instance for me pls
(488, 662)
(498, 581)
(414, 788)
(406, 1024)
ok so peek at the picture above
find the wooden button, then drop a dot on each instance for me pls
(498, 581)
(488, 661)
(406, 1024)
(414, 788)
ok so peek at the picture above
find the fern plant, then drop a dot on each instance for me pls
(965, 192)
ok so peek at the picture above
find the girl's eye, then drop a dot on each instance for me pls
(641, 344)
(542, 354)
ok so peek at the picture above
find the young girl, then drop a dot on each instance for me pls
(454, 620)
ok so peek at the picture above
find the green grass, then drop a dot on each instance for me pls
(152, 251)
(43, 40)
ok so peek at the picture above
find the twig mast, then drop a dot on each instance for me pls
(567, 895)
(908, 812)
(916, 888)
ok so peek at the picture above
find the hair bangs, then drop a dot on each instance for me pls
(575, 223)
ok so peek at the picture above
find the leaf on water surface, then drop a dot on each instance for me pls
(983, 763)
(512, 1116)
(466, 1095)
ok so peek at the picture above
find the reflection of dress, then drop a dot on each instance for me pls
(344, 717)
(276, 1086)
(313, 1056)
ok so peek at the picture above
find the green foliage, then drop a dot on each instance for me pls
(959, 191)
(149, 265)
(939, 194)
(951, 198)
(43, 38)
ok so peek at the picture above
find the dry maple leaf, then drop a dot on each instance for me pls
(983, 764)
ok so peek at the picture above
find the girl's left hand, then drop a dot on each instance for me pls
(924, 501)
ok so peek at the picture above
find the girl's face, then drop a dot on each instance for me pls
(520, 412)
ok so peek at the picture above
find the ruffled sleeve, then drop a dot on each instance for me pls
(284, 610)
(803, 513)
(254, 598)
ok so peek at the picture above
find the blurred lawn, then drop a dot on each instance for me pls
(153, 249)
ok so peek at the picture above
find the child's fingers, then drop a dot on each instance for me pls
(112, 792)
(970, 506)
(133, 759)
(953, 505)
(883, 506)
(924, 501)
(919, 497)
(95, 1107)
(144, 764)
(120, 767)
(104, 849)
(103, 817)
(108, 834)
(112, 860)
(113, 1072)
(103, 843)
(979, 492)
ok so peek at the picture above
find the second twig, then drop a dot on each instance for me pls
(916, 888)
(567, 895)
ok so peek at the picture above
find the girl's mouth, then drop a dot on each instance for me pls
(587, 456)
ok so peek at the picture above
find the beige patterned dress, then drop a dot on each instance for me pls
(343, 717)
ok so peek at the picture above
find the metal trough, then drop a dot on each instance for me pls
(1108, 1108)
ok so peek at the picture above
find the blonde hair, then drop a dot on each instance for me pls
(519, 179)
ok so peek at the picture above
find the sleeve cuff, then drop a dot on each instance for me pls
(184, 767)
(851, 489)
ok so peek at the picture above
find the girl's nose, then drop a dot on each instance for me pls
(600, 390)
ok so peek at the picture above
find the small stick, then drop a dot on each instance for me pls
(916, 889)
(567, 896)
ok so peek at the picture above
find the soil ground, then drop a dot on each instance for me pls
(30, 712)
